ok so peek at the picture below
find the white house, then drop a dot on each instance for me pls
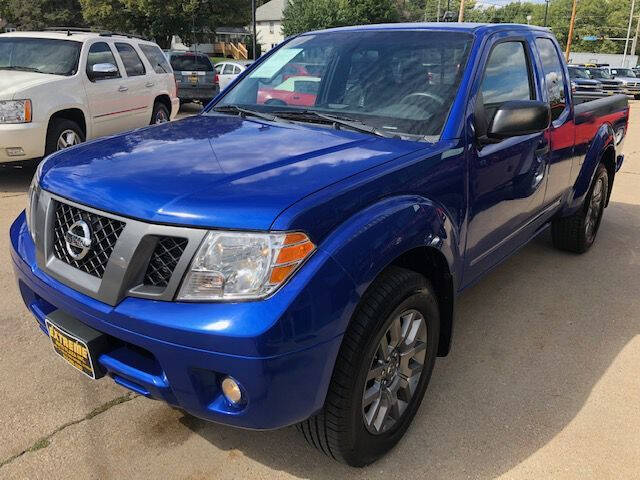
(269, 24)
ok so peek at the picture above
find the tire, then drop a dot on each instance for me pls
(636, 97)
(160, 114)
(60, 133)
(348, 428)
(578, 232)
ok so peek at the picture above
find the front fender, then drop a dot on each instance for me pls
(372, 239)
(593, 152)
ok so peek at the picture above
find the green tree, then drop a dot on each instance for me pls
(40, 14)
(304, 15)
(160, 19)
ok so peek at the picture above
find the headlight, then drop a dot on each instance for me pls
(32, 200)
(243, 265)
(15, 111)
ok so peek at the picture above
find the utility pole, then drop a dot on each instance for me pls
(571, 24)
(626, 43)
(461, 13)
(438, 13)
(546, 11)
(253, 21)
(635, 38)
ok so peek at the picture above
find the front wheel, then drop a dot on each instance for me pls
(578, 232)
(382, 370)
(637, 97)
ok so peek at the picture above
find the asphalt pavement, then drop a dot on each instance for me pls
(542, 381)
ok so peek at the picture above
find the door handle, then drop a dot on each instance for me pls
(149, 84)
(122, 88)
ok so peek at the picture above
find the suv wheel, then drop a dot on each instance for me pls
(578, 232)
(160, 114)
(382, 370)
(62, 133)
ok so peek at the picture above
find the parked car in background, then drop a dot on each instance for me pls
(609, 84)
(582, 82)
(60, 88)
(195, 76)
(272, 265)
(300, 91)
(228, 71)
(631, 83)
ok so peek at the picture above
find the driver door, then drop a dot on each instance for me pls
(506, 179)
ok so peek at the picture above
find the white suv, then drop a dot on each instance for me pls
(58, 89)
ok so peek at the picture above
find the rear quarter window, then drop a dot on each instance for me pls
(156, 58)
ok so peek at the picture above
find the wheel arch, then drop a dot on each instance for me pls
(165, 100)
(408, 231)
(74, 114)
(602, 149)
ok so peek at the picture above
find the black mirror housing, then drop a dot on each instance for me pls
(519, 117)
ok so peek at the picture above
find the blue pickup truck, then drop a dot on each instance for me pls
(294, 258)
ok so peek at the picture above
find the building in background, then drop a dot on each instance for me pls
(227, 42)
(6, 27)
(269, 24)
(612, 59)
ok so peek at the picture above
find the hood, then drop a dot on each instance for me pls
(13, 81)
(628, 79)
(213, 171)
(585, 81)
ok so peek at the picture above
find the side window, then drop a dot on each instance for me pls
(156, 58)
(100, 53)
(236, 70)
(219, 68)
(506, 76)
(132, 63)
(228, 69)
(554, 76)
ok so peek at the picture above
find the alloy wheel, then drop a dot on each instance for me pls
(395, 371)
(66, 139)
(595, 209)
(161, 117)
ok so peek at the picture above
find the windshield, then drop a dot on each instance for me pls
(578, 73)
(42, 55)
(624, 72)
(596, 73)
(401, 83)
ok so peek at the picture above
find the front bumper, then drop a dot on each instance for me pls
(283, 359)
(31, 137)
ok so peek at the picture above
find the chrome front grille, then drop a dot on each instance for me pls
(164, 260)
(105, 232)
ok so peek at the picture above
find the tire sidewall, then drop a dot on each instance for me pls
(366, 447)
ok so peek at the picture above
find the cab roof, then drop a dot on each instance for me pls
(443, 26)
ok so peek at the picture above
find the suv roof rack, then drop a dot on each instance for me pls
(103, 33)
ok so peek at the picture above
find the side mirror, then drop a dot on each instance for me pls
(519, 117)
(101, 71)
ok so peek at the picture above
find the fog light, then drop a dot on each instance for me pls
(14, 151)
(231, 390)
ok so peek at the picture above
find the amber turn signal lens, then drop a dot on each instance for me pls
(296, 248)
(27, 111)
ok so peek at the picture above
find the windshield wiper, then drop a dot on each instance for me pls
(22, 69)
(336, 121)
(245, 112)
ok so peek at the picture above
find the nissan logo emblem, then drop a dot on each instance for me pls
(78, 240)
